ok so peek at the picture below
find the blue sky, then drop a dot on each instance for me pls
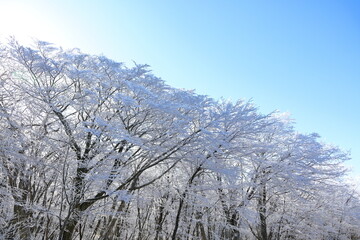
(301, 57)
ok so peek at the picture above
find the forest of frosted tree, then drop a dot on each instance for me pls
(92, 149)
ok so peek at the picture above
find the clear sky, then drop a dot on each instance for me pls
(301, 57)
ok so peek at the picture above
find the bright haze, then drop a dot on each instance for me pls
(301, 57)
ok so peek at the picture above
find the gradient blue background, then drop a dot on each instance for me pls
(301, 57)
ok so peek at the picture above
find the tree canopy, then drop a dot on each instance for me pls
(93, 149)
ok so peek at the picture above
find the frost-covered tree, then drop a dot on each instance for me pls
(92, 149)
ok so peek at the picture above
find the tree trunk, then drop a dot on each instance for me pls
(262, 214)
(160, 218)
(69, 229)
(177, 220)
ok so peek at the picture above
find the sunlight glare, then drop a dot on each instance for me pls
(22, 21)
